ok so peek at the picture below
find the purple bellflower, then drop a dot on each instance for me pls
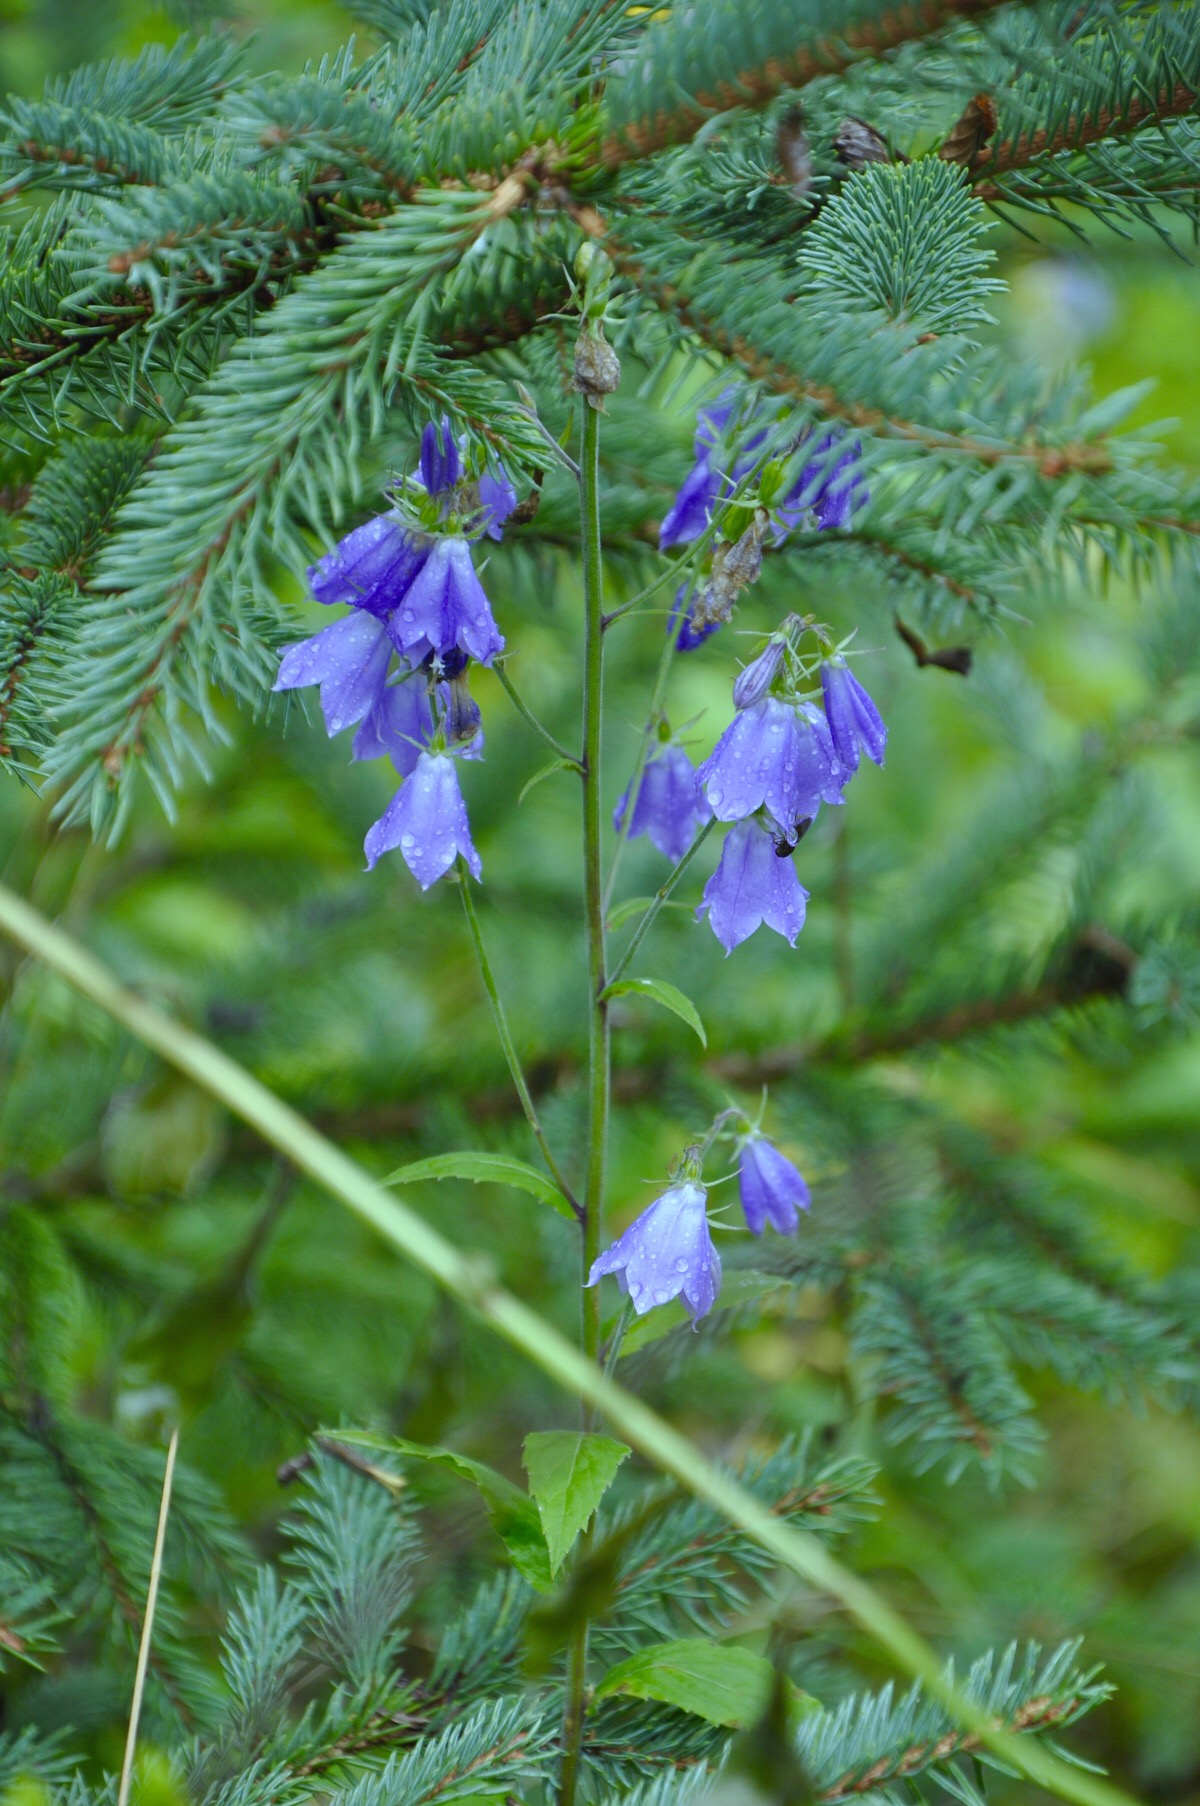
(349, 660)
(778, 754)
(371, 568)
(855, 724)
(399, 725)
(666, 1253)
(830, 490)
(445, 608)
(755, 882)
(770, 1188)
(427, 820)
(670, 809)
(497, 499)
(704, 486)
(756, 678)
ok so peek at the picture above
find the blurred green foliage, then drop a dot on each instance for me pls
(218, 1290)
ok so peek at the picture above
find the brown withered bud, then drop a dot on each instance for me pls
(791, 145)
(971, 132)
(597, 366)
(734, 568)
(857, 143)
(944, 658)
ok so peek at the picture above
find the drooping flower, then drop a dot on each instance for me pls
(670, 809)
(775, 754)
(828, 489)
(399, 725)
(756, 678)
(682, 623)
(771, 1189)
(371, 568)
(497, 499)
(855, 724)
(462, 720)
(349, 660)
(705, 485)
(667, 1253)
(427, 820)
(445, 608)
(755, 882)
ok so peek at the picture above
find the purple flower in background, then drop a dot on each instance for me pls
(427, 820)
(770, 1188)
(370, 568)
(445, 608)
(753, 884)
(756, 678)
(774, 754)
(441, 466)
(349, 660)
(398, 725)
(829, 489)
(689, 636)
(855, 723)
(497, 498)
(704, 486)
(667, 1252)
(670, 810)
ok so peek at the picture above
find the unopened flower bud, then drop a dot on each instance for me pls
(753, 683)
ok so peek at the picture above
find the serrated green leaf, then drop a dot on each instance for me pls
(669, 996)
(736, 1288)
(569, 1473)
(720, 1682)
(547, 771)
(484, 1169)
(513, 1513)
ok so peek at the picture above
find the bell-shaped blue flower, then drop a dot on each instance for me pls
(828, 491)
(670, 809)
(441, 466)
(855, 724)
(497, 499)
(771, 1189)
(370, 568)
(349, 660)
(445, 608)
(705, 485)
(667, 1253)
(399, 725)
(776, 755)
(755, 882)
(427, 820)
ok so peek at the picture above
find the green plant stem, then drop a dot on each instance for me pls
(528, 715)
(599, 1074)
(612, 1353)
(469, 1279)
(506, 1041)
(659, 899)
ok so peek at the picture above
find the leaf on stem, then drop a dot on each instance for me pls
(485, 1169)
(637, 906)
(513, 1513)
(670, 997)
(726, 1684)
(547, 771)
(569, 1473)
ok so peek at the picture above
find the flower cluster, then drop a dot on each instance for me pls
(668, 1252)
(815, 482)
(396, 666)
(784, 754)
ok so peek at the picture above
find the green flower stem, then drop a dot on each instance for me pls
(470, 1279)
(659, 899)
(599, 1075)
(528, 715)
(506, 1040)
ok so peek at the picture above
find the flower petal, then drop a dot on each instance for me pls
(350, 662)
(445, 608)
(750, 886)
(370, 568)
(427, 820)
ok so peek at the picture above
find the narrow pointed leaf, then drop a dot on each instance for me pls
(484, 1169)
(670, 997)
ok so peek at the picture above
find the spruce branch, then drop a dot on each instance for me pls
(791, 45)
